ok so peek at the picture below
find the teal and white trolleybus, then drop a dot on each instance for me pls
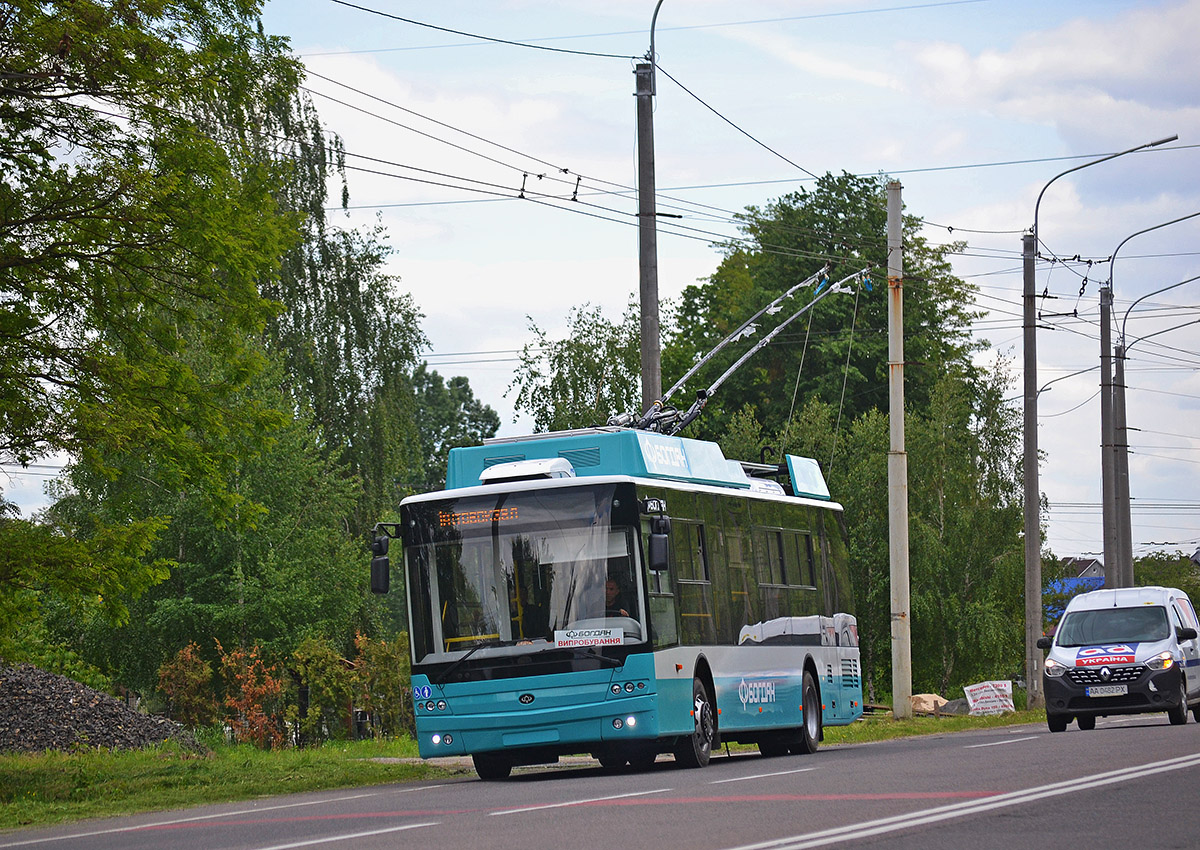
(623, 593)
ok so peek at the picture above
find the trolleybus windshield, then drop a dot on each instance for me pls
(520, 573)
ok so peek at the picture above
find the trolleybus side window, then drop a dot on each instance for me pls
(689, 551)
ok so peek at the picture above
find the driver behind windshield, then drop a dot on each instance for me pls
(615, 604)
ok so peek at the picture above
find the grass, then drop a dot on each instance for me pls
(882, 728)
(49, 788)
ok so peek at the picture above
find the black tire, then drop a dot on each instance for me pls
(1057, 722)
(810, 731)
(1087, 722)
(1178, 714)
(610, 762)
(695, 750)
(492, 766)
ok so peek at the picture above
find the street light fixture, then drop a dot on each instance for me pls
(1033, 528)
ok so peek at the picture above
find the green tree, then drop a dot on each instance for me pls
(281, 568)
(838, 351)
(1169, 569)
(450, 416)
(130, 241)
(584, 379)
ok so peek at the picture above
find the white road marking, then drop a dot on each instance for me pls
(958, 810)
(998, 743)
(311, 841)
(578, 802)
(762, 775)
(193, 819)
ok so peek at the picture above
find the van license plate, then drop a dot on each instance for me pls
(1108, 690)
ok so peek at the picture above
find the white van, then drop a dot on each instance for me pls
(1123, 651)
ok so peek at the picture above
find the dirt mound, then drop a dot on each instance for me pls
(43, 711)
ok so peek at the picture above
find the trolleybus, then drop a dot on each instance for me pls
(623, 593)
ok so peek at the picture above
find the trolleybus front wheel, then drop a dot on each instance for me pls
(694, 750)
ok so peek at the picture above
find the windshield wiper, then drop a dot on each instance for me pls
(458, 661)
(580, 652)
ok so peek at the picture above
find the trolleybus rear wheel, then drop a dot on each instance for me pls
(810, 731)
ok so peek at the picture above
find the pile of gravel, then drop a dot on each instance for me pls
(43, 711)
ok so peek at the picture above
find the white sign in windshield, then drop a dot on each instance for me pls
(588, 637)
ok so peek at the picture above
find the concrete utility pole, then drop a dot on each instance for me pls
(648, 227)
(1114, 573)
(1033, 501)
(1121, 471)
(898, 464)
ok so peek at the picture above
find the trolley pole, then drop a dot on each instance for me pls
(898, 464)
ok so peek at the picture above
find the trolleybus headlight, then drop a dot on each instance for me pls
(429, 706)
(618, 723)
(1054, 669)
(437, 739)
(631, 721)
(441, 705)
(629, 687)
(1162, 661)
(616, 689)
(448, 740)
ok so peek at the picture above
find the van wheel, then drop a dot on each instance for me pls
(491, 765)
(1087, 722)
(1178, 714)
(694, 750)
(810, 732)
(1057, 722)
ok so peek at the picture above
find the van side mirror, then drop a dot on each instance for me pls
(1185, 633)
(381, 572)
(1045, 642)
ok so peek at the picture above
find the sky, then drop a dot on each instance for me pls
(974, 106)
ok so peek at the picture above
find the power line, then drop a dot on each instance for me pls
(481, 37)
(756, 141)
(530, 42)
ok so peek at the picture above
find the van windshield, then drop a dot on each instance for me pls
(1144, 623)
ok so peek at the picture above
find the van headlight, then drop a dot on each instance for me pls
(1162, 661)
(1054, 669)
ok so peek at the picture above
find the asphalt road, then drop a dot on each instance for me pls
(1133, 782)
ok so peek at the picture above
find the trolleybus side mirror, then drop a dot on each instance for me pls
(380, 565)
(659, 555)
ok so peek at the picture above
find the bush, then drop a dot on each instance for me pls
(186, 681)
